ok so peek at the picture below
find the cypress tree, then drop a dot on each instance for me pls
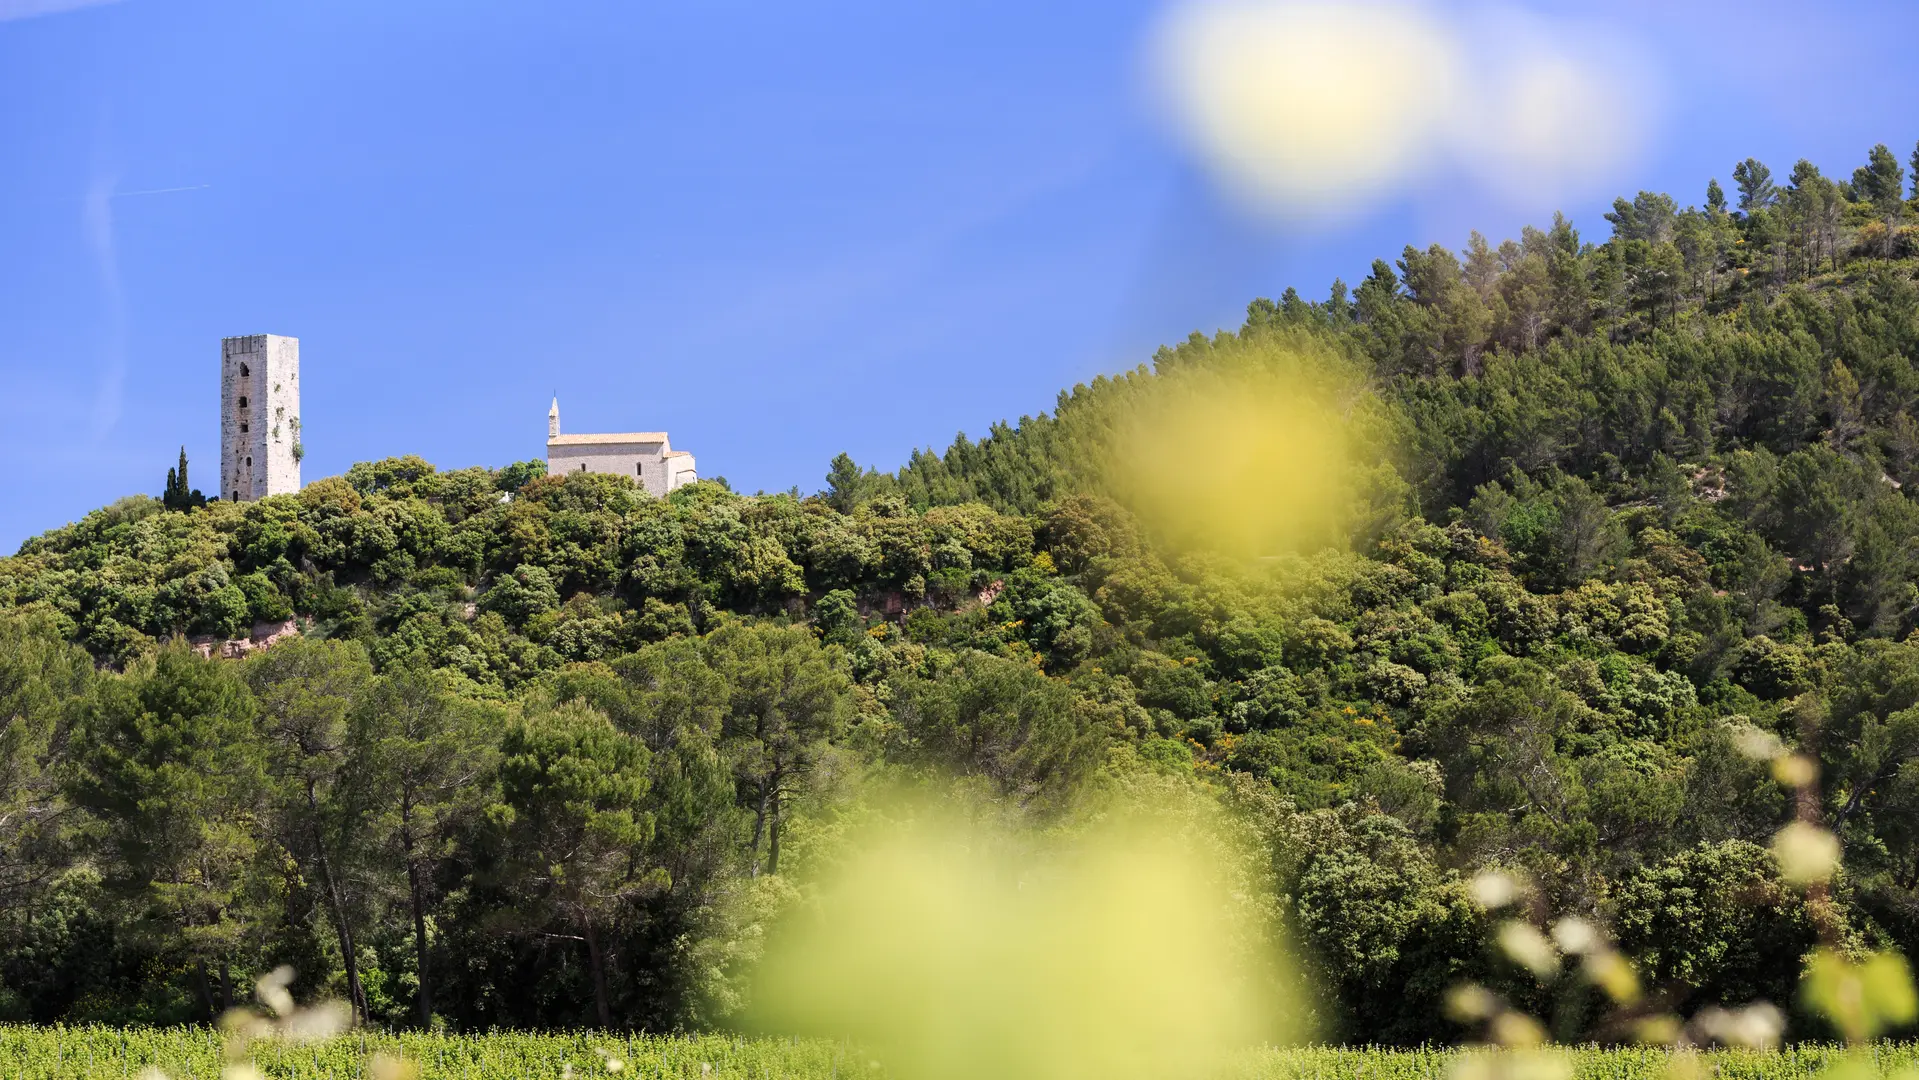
(179, 494)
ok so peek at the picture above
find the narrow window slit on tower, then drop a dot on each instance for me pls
(243, 427)
(244, 372)
(243, 401)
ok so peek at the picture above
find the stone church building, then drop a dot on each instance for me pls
(646, 456)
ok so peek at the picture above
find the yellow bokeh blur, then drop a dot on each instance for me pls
(1313, 110)
(952, 950)
(1252, 459)
(1307, 107)
(1863, 998)
(1806, 853)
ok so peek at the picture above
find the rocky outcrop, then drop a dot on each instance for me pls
(264, 636)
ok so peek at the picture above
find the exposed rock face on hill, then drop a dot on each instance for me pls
(264, 636)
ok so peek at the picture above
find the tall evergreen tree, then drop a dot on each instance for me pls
(304, 690)
(179, 493)
(1339, 307)
(173, 772)
(1806, 210)
(416, 756)
(573, 790)
(41, 679)
(1882, 183)
(1756, 189)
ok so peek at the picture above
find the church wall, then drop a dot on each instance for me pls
(643, 461)
(619, 459)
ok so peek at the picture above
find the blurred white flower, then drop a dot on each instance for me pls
(1614, 974)
(1757, 1026)
(1757, 743)
(1807, 854)
(1575, 936)
(1470, 1003)
(321, 1021)
(1493, 890)
(271, 989)
(1526, 946)
(1794, 770)
(1517, 1029)
(388, 1067)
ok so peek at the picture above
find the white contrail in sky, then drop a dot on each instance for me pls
(160, 191)
(27, 9)
(96, 217)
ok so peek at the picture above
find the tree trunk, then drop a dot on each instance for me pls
(206, 992)
(417, 897)
(354, 993)
(759, 827)
(773, 841)
(598, 964)
(355, 996)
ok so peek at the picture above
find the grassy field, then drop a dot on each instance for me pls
(86, 1053)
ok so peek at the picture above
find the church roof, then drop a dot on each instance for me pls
(591, 440)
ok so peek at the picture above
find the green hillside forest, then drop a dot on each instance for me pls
(1624, 580)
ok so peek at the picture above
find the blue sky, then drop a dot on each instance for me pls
(777, 231)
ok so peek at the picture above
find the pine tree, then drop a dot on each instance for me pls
(1756, 189)
(1881, 182)
(1339, 309)
(843, 484)
(1716, 195)
(1806, 211)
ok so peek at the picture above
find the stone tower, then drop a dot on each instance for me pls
(260, 447)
